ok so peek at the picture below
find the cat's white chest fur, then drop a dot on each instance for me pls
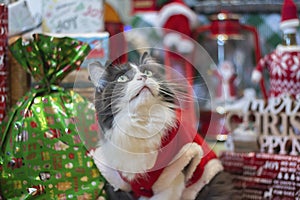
(133, 143)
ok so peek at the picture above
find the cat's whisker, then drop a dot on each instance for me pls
(183, 78)
(182, 86)
(109, 105)
(181, 98)
(189, 98)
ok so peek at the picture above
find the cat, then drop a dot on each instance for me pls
(148, 149)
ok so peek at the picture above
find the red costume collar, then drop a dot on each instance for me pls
(171, 144)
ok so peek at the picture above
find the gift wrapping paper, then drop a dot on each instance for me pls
(47, 136)
(264, 176)
(78, 79)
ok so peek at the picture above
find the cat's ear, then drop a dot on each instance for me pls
(96, 71)
(146, 58)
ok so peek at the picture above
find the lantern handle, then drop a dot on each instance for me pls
(200, 30)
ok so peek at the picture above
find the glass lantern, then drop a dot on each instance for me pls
(234, 48)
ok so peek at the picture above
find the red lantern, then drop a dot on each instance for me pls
(234, 48)
(229, 41)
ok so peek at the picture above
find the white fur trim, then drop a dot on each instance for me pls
(289, 30)
(213, 167)
(182, 45)
(173, 191)
(174, 9)
(171, 39)
(111, 175)
(189, 155)
(185, 46)
(289, 23)
(256, 76)
(283, 48)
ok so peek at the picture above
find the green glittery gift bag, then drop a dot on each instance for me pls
(44, 153)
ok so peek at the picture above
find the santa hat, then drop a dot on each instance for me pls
(176, 7)
(178, 20)
(289, 17)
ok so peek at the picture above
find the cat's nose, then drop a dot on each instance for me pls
(142, 77)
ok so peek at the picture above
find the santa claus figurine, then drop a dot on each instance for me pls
(226, 75)
(178, 22)
(283, 64)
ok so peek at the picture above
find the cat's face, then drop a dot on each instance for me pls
(130, 90)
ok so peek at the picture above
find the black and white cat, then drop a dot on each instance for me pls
(147, 150)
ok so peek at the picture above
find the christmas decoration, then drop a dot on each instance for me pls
(283, 67)
(283, 64)
(72, 16)
(289, 16)
(44, 139)
(264, 176)
(275, 122)
(229, 41)
(176, 37)
(3, 61)
(226, 76)
(179, 48)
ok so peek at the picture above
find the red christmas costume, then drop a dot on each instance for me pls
(182, 150)
(142, 186)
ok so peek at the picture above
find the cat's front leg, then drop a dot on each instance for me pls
(173, 191)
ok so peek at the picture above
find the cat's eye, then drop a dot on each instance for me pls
(122, 79)
(148, 73)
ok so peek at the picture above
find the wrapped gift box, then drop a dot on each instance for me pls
(72, 16)
(264, 176)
